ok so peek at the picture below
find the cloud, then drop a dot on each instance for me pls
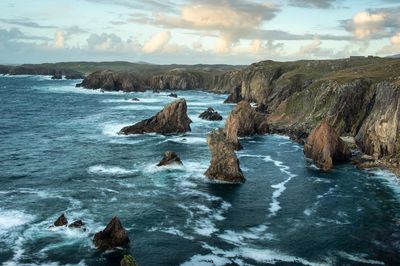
(157, 42)
(59, 40)
(313, 3)
(138, 4)
(105, 42)
(374, 23)
(269, 48)
(25, 22)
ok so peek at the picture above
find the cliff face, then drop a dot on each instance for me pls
(358, 97)
(177, 80)
(41, 70)
(113, 81)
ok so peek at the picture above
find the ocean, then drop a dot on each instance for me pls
(60, 153)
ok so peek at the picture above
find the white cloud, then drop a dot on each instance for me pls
(366, 24)
(59, 40)
(395, 40)
(157, 42)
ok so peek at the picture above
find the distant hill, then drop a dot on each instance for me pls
(395, 56)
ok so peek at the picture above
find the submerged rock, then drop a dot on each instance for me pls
(210, 114)
(325, 147)
(170, 157)
(172, 119)
(235, 96)
(76, 224)
(114, 235)
(173, 95)
(128, 260)
(61, 221)
(224, 165)
(244, 121)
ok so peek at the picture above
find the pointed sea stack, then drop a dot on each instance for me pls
(224, 165)
(325, 147)
(172, 119)
(61, 221)
(170, 157)
(244, 121)
(114, 235)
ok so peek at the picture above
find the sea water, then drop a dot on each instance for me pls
(60, 153)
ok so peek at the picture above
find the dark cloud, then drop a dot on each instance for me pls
(15, 34)
(314, 3)
(24, 22)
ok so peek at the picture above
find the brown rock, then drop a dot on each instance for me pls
(170, 157)
(224, 165)
(128, 260)
(325, 147)
(210, 114)
(172, 119)
(235, 96)
(114, 235)
(76, 224)
(61, 221)
(244, 121)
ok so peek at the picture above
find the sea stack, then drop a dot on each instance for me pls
(325, 147)
(224, 165)
(170, 157)
(244, 121)
(114, 235)
(210, 114)
(61, 221)
(172, 119)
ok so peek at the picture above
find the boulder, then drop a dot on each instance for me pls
(325, 147)
(76, 224)
(173, 95)
(244, 121)
(57, 76)
(128, 260)
(114, 235)
(61, 221)
(170, 157)
(235, 96)
(224, 165)
(210, 114)
(172, 119)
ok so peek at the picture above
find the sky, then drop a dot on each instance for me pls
(193, 31)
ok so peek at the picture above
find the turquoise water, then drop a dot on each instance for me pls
(59, 153)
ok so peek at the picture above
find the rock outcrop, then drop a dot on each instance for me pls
(173, 95)
(325, 147)
(172, 119)
(177, 79)
(235, 96)
(61, 221)
(210, 114)
(224, 165)
(114, 235)
(170, 157)
(108, 80)
(128, 260)
(244, 121)
(76, 224)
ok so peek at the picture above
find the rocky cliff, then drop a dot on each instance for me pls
(41, 70)
(359, 97)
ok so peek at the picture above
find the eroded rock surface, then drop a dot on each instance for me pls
(172, 119)
(224, 165)
(114, 235)
(210, 114)
(325, 147)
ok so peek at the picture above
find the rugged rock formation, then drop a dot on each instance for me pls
(235, 96)
(244, 121)
(172, 119)
(28, 69)
(210, 114)
(114, 235)
(61, 221)
(173, 95)
(113, 81)
(128, 260)
(57, 76)
(379, 135)
(177, 79)
(170, 157)
(325, 147)
(76, 224)
(224, 165)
